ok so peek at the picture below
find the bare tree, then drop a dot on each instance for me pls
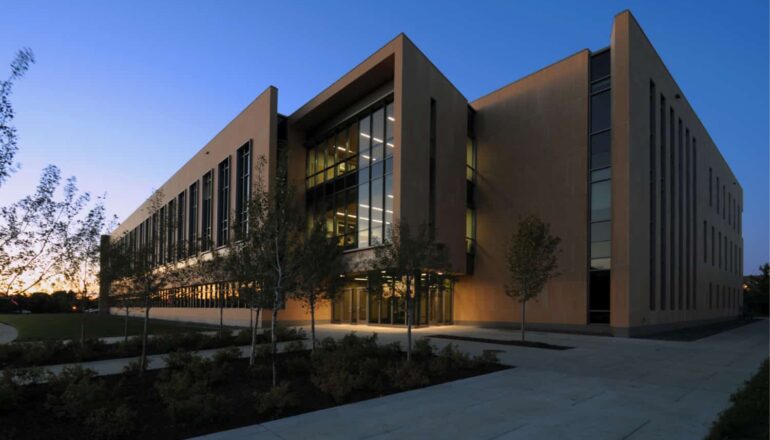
(531, 257)
(405, 259)
(320, 272)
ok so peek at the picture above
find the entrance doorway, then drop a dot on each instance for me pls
(350, 306)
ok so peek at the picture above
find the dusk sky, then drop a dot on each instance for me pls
(124, 93)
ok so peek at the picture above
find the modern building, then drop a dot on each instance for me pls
(603, 145)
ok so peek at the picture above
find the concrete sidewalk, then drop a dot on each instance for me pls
(7, 333)
(604, 388)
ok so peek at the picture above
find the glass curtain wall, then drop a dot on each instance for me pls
(600, 197)
(349, 179)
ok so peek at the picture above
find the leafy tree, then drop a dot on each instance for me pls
(143, 273)
(82, 255)
(8, 137)
(531, 257)
(403, 259)
(264, 258)
(320, 272)
(757, 291)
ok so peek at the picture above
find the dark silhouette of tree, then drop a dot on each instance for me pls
(8, 137)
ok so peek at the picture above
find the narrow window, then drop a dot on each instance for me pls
(713, 256)
(705, 242)
(192, 220)
(711, 186)
(243, 187)
(207, 208)
(663, 206)
(720, 250)
(223, 203)
(672, 207)
(180, 222)
(653, 202)
(432, 169)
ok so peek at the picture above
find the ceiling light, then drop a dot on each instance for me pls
(365, 135)
(391, 119)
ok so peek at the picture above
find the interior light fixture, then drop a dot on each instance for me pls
(365, 135)
(391, 119)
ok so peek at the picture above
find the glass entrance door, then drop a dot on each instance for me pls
(358, 302)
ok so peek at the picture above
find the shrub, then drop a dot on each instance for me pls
(486, 357)
(353, 363)
(75, 392)
(407, 375)
(298, 365)
(447, 360)
(227, 355)
(12, 385)
(111, 423)
(261, 371)
(277, 401)
(186, 388)
(422, 349)
(134, 367)
(296, 345)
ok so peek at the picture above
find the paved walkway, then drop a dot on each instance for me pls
(604, 388)
(7, 333)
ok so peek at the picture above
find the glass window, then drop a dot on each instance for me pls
(388, 204)
(364, 140)
(600, 201)
(389, 126)
(600, 65)
(377, 211)
(601, 231)
(600, 111)
(363, 215)
(600, 150)
(378, 136)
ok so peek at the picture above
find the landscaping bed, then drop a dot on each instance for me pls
(30, 354)
(690, 334)
(747, 418)
(195, 396)
(530, 344)
(58, 326)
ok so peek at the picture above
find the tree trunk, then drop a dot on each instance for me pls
(125, 326)
(83, 321)
(409, 303)
(143, 358)
(312, 324)
(253, 355)
(274, 344)
(523, 311)
(221, 310)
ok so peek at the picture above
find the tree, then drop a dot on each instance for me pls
(404, 259)
(143, 272)
(8, 138)
(531, 257)
(82, 256)
(320, 272)
(38, 232)
(757, 291)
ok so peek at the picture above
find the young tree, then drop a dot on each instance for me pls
(531, 257)
(82, 257)
(403, 259)
(8, 138)
(320, 272)
(37, 232)
(144, 272)
(265, 257)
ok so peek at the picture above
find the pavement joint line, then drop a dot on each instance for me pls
(508, 431)
(627, 436)
(578, 402)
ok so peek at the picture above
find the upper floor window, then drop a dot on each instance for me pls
(223, 202)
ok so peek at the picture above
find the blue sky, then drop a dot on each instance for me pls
(123, 93)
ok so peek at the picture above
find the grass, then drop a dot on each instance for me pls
(58, 326)
(747, 417)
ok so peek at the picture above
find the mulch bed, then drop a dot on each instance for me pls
(33, 420)
(518, 343)
(699, 332)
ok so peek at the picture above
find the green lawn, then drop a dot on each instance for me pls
(51, 326)
(747, 417)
